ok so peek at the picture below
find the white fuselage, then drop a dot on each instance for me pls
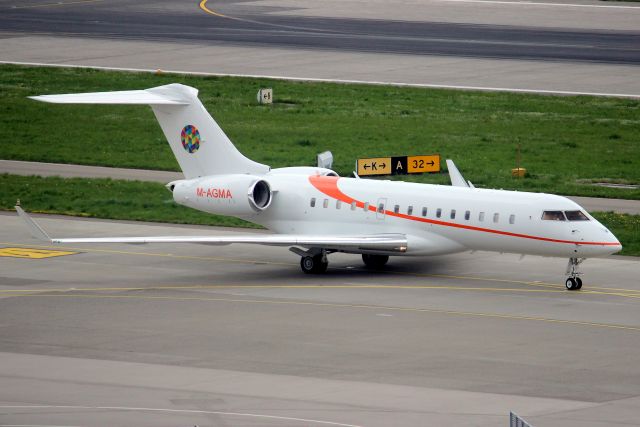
(436, 219)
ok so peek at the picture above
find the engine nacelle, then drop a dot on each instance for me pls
(236, 195)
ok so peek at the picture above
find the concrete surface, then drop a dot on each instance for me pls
(237, 335)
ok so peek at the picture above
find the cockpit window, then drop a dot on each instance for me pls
(553, 216)
(576, 216)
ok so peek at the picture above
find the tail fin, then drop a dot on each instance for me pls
(198, 143)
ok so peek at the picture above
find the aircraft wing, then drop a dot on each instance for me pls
(374, 242)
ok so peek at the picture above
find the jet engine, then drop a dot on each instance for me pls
(236, 195)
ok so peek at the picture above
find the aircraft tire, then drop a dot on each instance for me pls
(313, 265)
(578, 283)
(571, 284)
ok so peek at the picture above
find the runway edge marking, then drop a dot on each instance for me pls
(341, 81)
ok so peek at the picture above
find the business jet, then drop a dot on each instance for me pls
(315, 212)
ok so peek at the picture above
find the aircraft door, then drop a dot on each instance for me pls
(381, 208)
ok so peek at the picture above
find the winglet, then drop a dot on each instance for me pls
(35, 230)
(457, 180)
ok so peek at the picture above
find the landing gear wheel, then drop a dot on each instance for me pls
(313, 264)
(574, 282)
(375, 261)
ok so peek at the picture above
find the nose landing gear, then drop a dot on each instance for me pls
(573, 282)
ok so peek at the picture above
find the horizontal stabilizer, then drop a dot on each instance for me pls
(133, 97)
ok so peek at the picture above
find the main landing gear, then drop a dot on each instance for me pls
(574, 282)
(314, 260)
(314, 264)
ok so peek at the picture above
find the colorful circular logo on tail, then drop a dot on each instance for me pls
(190, 138)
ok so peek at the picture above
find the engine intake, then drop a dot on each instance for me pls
(260, 195)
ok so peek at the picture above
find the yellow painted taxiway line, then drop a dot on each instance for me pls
(349, 306)
(56, 4)
(630, 293)
(203, 6)
(583, 293)
(306, 286)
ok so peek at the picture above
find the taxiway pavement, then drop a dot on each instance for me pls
(580, 47)
(237, 335)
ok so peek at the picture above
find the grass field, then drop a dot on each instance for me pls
(105, 198)
(567, 142)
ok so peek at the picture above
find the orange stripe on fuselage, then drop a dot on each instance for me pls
(329, 185)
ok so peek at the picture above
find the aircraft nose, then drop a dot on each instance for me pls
(613, 244)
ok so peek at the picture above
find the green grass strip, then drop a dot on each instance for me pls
(566, 142)
(145, 201)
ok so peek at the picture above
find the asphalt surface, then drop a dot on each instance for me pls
(582, 47)
(197, 335)
(154, 21)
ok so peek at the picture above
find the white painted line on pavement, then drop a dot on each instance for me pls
(183, 411)
(346, 81)
(534, 3)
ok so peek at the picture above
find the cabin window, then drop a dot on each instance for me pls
(338, 204)
(553, 216)
(410, 210)
(467, 215)
(453, 214)
(481, 217)
(496, 217)
(366, 207)
(313, 202)
(424, 211)
(353, 206)
(396, 208)
(325, 203)
(512, 219)
(381, 208)
(438, 212)
(576, 216)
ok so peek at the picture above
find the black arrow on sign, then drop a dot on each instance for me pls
(431, 163)
(366, 166)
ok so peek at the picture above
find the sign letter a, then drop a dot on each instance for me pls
(399, 166)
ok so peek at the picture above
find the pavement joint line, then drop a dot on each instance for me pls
(355, 306)
(55, 4)
(339, 81)
(221, 259)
